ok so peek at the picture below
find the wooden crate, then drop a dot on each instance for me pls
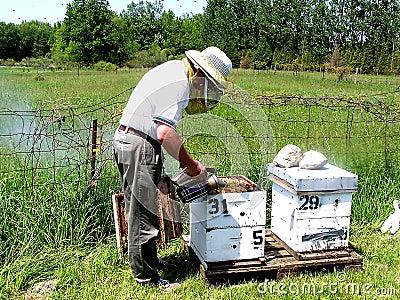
(276, 263)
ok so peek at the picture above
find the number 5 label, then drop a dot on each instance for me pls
(258, 237)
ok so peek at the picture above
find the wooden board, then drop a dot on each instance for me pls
(169, 216)
(276, 264)
(169, 213)
(291, 189)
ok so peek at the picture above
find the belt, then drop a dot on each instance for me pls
(138, 133)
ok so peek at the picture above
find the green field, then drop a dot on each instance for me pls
(54, 227)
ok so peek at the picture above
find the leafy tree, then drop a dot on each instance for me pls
(183, 33)
(170, 27)
(34, 38)
(58, 45)
(302, 34)
(232, 26)
(143, 22)
(88, 31)
(319, 31)
(10, 41)
(124, 48)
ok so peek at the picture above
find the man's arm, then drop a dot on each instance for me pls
(172, 143)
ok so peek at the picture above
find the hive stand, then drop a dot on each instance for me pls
(276, 263)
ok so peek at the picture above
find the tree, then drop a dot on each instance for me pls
(58, 45)
(183, 33)
(232, 26)
(143, 22)
(88, 31)
(125, 47)
(319, 31)
(34, 38)
(10, 41)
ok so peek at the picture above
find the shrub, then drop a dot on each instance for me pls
(38, 77)
(110, 67)
(105, 66)
(245, 62)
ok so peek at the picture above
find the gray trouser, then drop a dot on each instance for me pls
(139, 164)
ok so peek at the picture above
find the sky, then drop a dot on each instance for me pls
(52, 11)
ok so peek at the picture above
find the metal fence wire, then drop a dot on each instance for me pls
(59, 147)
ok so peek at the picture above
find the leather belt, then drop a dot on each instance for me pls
(138, 133)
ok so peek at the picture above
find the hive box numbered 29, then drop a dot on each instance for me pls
(311, 209)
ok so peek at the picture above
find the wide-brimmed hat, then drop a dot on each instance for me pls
(213, 62)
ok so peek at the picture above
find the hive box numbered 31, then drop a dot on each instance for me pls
(229, 225)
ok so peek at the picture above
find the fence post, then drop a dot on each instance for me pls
(356, 77)
(94, 148)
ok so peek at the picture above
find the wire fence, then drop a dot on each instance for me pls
(63, 146)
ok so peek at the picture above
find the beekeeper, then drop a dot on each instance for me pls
(195, 83)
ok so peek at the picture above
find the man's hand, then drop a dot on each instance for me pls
(198, 171)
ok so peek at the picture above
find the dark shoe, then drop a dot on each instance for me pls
(164, 284)
(161, 264)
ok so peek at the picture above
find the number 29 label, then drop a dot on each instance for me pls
(309, 202)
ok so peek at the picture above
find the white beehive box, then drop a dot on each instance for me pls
(229, 226)
(311, 208)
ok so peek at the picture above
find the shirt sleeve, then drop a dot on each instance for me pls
(171, 101)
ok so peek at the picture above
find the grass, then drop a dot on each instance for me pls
(96, 273)
(312, 83)
(60, 232)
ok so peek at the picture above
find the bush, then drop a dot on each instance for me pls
(260, 65)
(38, 77)
(99, 66)
(7, 62)
(245, 62)
(105, 66)
(110, 67)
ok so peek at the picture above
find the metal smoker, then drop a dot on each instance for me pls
(190, 189)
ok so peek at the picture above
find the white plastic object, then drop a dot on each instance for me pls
(313, 160)
(393, 221)
(288, 156)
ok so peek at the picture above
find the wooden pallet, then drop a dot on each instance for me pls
(276, 264)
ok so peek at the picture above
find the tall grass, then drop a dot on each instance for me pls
(65, 231)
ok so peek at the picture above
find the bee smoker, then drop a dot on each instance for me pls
(189, 190)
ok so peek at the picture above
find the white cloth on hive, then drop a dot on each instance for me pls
(313, 160)
(288, 156)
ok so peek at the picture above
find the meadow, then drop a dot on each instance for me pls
(54, 229)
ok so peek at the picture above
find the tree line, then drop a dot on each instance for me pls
(306, 34)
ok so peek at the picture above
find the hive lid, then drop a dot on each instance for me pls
(329, 178)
